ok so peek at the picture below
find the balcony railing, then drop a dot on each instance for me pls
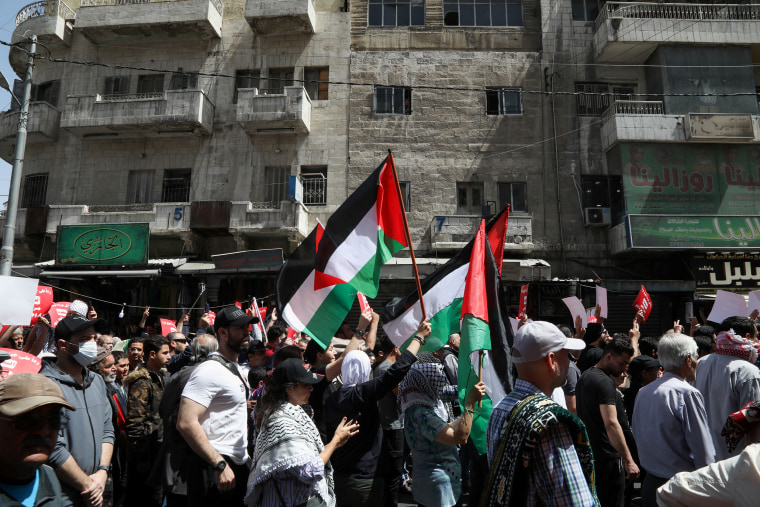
(131, 96)
(314, 189)
(38, 9)
(92, 3)
(678, 11)
(635, 107)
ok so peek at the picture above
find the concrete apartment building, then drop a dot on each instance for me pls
(623, 135)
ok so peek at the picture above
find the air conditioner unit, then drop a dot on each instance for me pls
(597, 217)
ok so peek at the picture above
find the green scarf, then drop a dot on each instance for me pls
(511, 463)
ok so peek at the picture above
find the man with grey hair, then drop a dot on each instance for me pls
(670, 420)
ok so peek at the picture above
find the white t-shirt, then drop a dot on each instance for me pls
(225, 419)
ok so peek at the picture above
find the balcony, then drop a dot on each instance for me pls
(104, 21)
(286, 218)
(171, 112)
(453, 232)
(50, 20)
(42, 127)
(272, 17)
(289, 112)
(646, 121)
(631, 31)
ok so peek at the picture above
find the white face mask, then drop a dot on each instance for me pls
(87, 353)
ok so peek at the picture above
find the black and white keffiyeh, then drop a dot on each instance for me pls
(423, 386)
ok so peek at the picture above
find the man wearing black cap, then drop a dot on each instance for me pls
(30, 417)
(82, 456)
(213, 417)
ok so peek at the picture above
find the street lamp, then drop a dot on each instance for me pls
(6, 252)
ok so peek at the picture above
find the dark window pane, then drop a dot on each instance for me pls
(483, 15)
(492, 102)
(466, 15)
(512, 102)
(389, 12)
(519, 200)
(403, 15)
(498, 15)
(375, 14)
(592, 10)
(514, 15)
(476, 200)
(418, 14)
(579, 10)
(461, 197)
(451, 14)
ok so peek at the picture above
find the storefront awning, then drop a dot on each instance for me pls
(49, 269)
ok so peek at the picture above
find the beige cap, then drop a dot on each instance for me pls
(23, 392)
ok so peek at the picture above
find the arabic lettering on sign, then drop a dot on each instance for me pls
(679, 179)
(736, 275)
(102, 244)
(729, 234)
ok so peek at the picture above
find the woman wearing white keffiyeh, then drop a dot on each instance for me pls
(291, 465)
(436, 477)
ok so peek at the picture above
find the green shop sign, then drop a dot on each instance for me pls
(699, 179)
(693, 232)
(103, 244)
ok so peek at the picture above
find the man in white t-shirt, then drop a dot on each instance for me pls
(213, 417)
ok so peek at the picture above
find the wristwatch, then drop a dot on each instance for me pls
(420, 339)
(360, 333)
(220, 466)
(107, 468)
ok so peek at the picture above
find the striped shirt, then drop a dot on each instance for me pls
(296, 484)
(556, 477)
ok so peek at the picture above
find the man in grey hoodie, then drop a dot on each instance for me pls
(82, 456)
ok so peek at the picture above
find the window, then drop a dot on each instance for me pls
(585, 10)
(482, 13)
(176, 185)
(393, 100)
(602, 192)
(469, 198)
(140, 187)
(504, 101)
(396, 13)
(593, 99)
(514, 194)
(277, 81)
(246, 79)
(315, 82)
(406, 195)
(116, 85)
(35, 190)
(314, 181)
(276, 185)
(182, 81)
(150, 83)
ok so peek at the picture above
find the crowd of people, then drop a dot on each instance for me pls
(241, 414)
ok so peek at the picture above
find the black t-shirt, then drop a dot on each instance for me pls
(589, 357)
(317, 400)
(596, 388)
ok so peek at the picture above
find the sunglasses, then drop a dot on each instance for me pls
(180, 340)
(32, 422)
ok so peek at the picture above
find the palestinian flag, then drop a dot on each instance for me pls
(443, 291)
(483, 329)
(305, 303)
(364, 233)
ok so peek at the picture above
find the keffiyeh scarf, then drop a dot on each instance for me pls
(422, 386)
(731, 344)
(288, 439)
(738, 424)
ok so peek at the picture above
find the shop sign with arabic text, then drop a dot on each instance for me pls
(728, 271)
(103, 244)
(693, 232)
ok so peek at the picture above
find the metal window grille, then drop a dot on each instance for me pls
(393, 100)
(176, 186)
(396, 13)
(592, 99)
(35, 190)
(314, 184)
(140, 187)
(276, 185)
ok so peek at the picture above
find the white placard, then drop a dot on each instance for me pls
(576, 308)
(727, 304)
(17, 300)
(753, 301)
(601, 300)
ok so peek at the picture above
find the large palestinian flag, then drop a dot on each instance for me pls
(443, 291)
(316, 287)
(483, 329)
(319, 312)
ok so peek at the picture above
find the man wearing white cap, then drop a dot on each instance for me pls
(538, 451)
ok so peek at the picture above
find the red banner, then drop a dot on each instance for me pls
(211, 317)
(42, 302)
(239, 304)
(363, 303)
(643, 303)
(522, 310)
(57, 312)
(168, 326)
(21, 362)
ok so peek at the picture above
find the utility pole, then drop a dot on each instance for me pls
(6, 252)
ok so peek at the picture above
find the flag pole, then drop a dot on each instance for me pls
(480, 375)
(408, 236)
